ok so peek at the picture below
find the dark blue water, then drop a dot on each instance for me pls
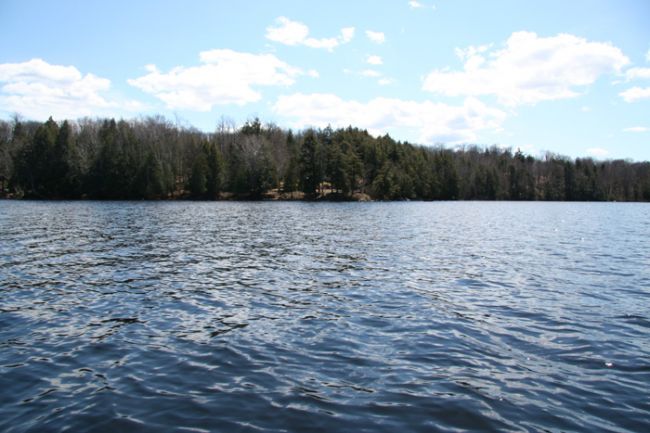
(287, 317)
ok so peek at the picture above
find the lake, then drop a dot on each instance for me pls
(324, 317)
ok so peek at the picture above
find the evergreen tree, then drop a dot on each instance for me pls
(150, 158)
(311, 175)
(354, 169)
(109, 177)
(291, 178)
(447, 176)
(6, 159)
(66, 164)
(34, 171)
(150, 183)
(385, 185)
(214, 173)
(199, 177)
(338, 169)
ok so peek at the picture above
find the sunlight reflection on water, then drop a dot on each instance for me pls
(324, 317)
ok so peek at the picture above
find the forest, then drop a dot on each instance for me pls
(153, 158)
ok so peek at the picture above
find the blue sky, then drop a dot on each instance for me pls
(571, 77)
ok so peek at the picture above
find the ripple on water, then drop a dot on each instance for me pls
(323, 317)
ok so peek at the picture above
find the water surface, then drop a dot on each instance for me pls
(321, 317)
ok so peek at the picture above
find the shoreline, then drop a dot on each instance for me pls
(299, 200)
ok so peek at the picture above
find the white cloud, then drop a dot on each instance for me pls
(288, 32)
(294, 33)
(635, 93)
(347, 34)
(431, 122)
(376, 37)
(414, 4)
(472, 54)
(37, 90)
(313, 73)
(637, 129)
(597, 152)
(224, 77)
(637, 73)
(529, 69)
(374, 60)
(585, 109)
(647, 56)
(370, 73)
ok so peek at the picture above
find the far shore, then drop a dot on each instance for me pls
(273, 195)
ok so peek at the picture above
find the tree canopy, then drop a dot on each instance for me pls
(152, 158)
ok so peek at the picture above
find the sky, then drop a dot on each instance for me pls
(569, 77)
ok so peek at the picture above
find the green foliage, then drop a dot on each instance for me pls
(310, 163)
(385, 186)
(150, 182)
(252, 127)
(447, 175)
(214, 170)
(6, 160)
(338, 168)
(199, 177)
(66, 170)
(206, 178)
(152, 159)
(34, 172)
(108, 178)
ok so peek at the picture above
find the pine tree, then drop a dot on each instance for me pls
(214, 173)
(66, 164)
(199, 177)
(311, 175)
(338, 169)
(34, 170)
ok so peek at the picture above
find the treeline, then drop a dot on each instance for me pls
(154, 159)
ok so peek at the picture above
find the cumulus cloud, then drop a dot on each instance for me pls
(374, 60)
(376, 37)
(635, 93)
(597, 152)
(294, 33)
(224, 77)
(637, 73)
(431, 122)
(637, 129)
(38, 89)
(529, 69)
(287, 32)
